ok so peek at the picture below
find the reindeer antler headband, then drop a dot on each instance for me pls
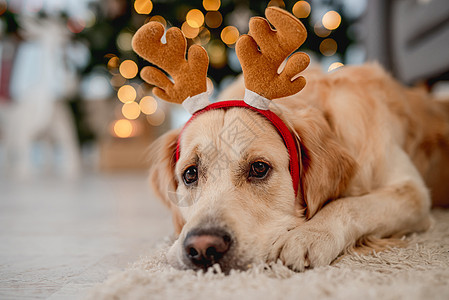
(190, 86)
(261, 52)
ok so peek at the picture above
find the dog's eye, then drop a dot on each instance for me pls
(190, 175)
(259, 169)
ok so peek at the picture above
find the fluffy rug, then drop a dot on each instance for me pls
(418, 271)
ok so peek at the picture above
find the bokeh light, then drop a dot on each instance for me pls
(278, 3)
(217, 54)
(159, 19)
(128, 69)
(90, 19)
(139, 89)
(157, 118)
(320, 30)
(189, 31)
(126, 93)
(195, 18)
(117, 80)
(331, 20)
(211, 5)
(229, 35)
(334, 66)
(214, 19)
(148, 105)
(122, 128)
(113, 62)
(124, 41)
(131, 110)
(143, 7)
(203, 37)
(301, 9)
(328, 47)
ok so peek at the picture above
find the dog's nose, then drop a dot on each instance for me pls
(206, 247)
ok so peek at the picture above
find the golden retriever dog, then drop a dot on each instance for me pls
(373, 157)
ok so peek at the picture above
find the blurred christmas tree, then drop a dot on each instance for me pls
(214, 24)
(108, 26)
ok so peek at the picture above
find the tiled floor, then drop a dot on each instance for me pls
(58, 238)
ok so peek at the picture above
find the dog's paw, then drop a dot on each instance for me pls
(305, 247)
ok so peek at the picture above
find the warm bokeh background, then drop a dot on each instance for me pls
(76, 120)
(71, 96)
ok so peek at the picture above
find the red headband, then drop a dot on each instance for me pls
(280, 126)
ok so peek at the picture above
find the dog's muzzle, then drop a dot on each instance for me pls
(206, 247)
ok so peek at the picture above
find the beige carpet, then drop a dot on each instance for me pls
(419, 271)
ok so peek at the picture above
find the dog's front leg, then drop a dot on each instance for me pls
(401, 205)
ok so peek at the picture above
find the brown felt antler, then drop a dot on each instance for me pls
(263, 50)
(189, 75)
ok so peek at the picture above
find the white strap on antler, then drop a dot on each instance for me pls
(196, 103)
(255, 100)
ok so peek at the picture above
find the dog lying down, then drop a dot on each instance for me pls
(371, 156)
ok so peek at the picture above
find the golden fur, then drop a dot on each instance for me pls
(370, 152)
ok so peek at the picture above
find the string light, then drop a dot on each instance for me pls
(131, 110)
(320, 30)
(335, 66)
(212, 5)
(229, 35)
(203, 37)
(126, 93)
(159, 19)
(124, 41)
(195, 18)
(193, 29)
(113, 62)
(331, 20)
(123, 128)
(214, 19)
(189, 31)
(328, 47)
(148, 105)
(143, 7)
(301, 9)
(128, 69)
(278, 3)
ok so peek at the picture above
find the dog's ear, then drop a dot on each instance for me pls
(327, 167)
(162, 173)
